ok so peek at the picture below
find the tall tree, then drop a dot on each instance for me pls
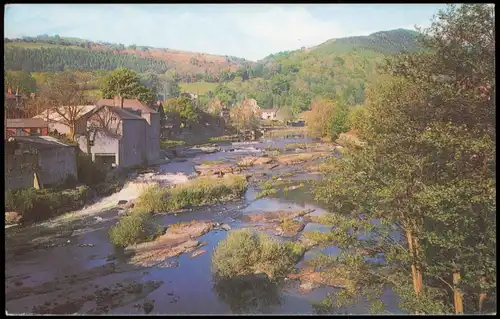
(126, 84)
(427, 173)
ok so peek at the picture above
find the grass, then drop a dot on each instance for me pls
(224, 138)
(200, 88)
(293, 146)
(133, 229)
(166, 144)
(213, 162)
(245, 253)
(196, 192)
(293, 131)
(270, 187)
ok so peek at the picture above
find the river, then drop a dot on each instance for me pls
(70, 274)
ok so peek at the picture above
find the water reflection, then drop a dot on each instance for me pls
(248, 294)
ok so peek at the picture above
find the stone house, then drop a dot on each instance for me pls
(52, 160)
(116, 132)
(26, 127)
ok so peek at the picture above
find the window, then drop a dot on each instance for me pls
(35, 131)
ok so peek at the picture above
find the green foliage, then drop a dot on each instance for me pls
(245, 253)
(427, 171)
(226, 95)
(56, 59)
(339, 119)
(36, 205)
(19, 80)
(184, 107)
(197, 192)
(126, 83)
(134, 228)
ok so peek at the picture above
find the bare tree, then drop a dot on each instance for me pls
(64, 99)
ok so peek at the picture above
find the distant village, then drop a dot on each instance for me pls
(114, 132)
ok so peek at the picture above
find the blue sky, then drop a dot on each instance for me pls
(242, 30)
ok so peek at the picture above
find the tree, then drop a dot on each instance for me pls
(243, 118)
(126, 84)
(19, 81)
(64, 99)
(339, 121)
(184, 107)
(426, 173)
(225, 94)
(318, 120)
(285, 114)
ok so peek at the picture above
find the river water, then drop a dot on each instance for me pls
(186, 289)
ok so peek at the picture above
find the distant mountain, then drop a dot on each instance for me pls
(54, 53)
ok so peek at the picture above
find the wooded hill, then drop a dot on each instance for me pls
(336, 68)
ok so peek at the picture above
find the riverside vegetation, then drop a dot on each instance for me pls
(138, 226)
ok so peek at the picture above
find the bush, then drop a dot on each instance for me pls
(245, 253)
(36, 205)
(133, 229)
(197, 192)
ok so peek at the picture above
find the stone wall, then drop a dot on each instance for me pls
(57, 164)
(19, 170)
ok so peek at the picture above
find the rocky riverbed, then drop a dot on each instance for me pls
(68, 265)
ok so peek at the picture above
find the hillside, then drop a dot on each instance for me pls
(336, 68)
(49, 54)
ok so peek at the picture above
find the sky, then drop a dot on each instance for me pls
(250, 31)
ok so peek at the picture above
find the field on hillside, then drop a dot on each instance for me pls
(38, 45)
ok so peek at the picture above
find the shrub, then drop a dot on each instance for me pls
(36, 205)
(197, 192)
(245, 253)
(133, 229)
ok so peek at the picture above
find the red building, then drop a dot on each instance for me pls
(26, 127)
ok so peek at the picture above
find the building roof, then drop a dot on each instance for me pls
(124, 114)
(26, 122)
(56, 117)
(40, 142)
(133, 104)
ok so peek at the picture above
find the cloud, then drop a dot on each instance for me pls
(284, 28)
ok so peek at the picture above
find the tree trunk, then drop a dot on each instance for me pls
(483, 295)
(457, 294)
(415, 267)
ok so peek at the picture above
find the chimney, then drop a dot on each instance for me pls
(9, 91)
(32, 95)
(118, 101)
(17, 90)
